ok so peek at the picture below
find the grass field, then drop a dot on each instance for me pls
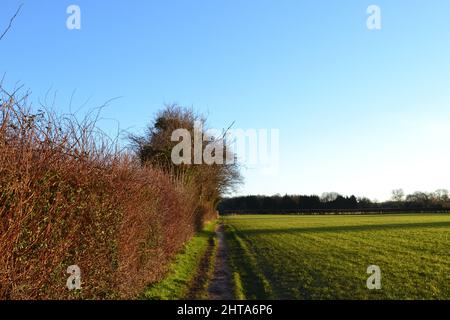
(326, 257)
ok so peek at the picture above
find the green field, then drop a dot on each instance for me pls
(326, 257)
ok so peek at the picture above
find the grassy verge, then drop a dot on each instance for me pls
(186, 269)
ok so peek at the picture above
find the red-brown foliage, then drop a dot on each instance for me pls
(68, 197)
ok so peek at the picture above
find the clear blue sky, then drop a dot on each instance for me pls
(359, 111)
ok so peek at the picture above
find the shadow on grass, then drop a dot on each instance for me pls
(252, 282)
(373, 227)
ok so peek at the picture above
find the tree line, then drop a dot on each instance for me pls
(335, 202)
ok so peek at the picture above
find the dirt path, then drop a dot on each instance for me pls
(198, 287)
(221, 285)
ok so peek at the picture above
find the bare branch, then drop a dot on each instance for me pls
(11, 22)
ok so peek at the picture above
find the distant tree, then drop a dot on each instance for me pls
(441, 195)
(398, 195)
(329, 196)
(418, 199)
(364, 202)
(352, 202)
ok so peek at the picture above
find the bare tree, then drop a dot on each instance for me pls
(440, 196)
(329, 196)
(398, 195)
(421, 199)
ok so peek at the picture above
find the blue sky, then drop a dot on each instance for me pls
(359, 111)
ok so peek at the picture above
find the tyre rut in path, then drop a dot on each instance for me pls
(221, 285)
